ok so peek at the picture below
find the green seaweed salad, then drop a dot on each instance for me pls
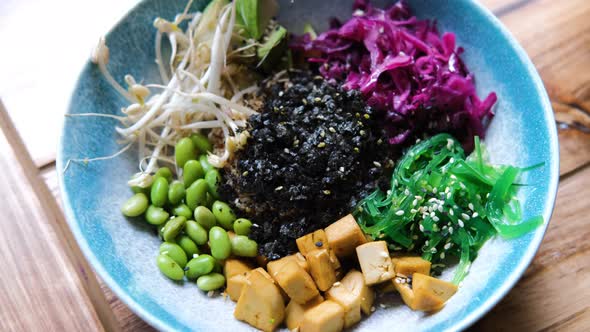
(445, 206)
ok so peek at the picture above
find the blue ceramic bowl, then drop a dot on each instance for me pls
(123, 251)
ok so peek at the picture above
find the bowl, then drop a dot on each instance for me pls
(123, 251)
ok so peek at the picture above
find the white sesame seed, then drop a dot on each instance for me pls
(461, 224)
(389, 192)
(399, 213)
(433, 199)
(471, 206)
(372, 309)
(451, 230)
(279, 188)
(488, 195)
(448, 245)
(474, 215)
(452, 160)
(453, 177)
(414, 202)
(465, 216)
(462, 185)
(337, 283)
(332, 130)
(451, 212)
(478, 196)
(341, 169)
(448, 195)
(435, 218)
(426, 243)
(287, 150)
(421, 228)
(447, 189)
(407, 192)
(440, 208)
(418, 197)
(434, 190)
(442, 255)
(433, 250)
(413, 211)
(195, 255)
(382, 305)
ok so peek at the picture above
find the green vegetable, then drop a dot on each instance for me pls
(159, 192)
(176, 192)
(196, 232)
(174, 251)
(196, 194)
(189, 247)
(191, 172)
(254, 15)
(444, 205)
(211, 282)
(271, 51)
(242, 226)
(135, 206)
(202, 143)
(182, 210)
(173, 228)
(223, 214)
(307, 28)
(213, 179)
(219, 243)
(169, 267)
(198, 266)
(241, 245)
(164, 172)
(204, 217)
(184, 151)
(156, 215)
(205, 163)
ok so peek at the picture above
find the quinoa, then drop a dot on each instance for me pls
(314, 151)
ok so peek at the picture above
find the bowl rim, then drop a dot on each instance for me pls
(462, 324)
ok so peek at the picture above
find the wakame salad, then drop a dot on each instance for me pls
(304, 176)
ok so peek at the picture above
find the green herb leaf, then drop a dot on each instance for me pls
(254, 15)
(273, 42)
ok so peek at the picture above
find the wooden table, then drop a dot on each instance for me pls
(46, 285)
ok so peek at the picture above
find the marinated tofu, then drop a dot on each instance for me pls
(260, 304)
(355, 282)
(274, 267)
(327, 316)
(295, 311)
(375, 262)
(408, 265)
(235, 284)
(344, 236)
(321, 269)
(426, 294)
(297, 283)
(440, 288)
(233, 266)
(314, 241)
(350, 303)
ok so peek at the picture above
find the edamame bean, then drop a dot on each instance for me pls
(191, 172)
(156, 215)
(196, 232)
(189, 247)
(219, 243)
(224, 214)
(241, 245)
(176, 192)
(201, 143)
(205, 163)
(164, 172)
(211, 282)
(169, 267)
(135, 206)
(209, 201)
(175, 252)
(213, 179)
(196, 194)
(182, 210)
(173, 228)
(184, 151)
(242, 226)
(204, 217)
(159, 193)
(137, 190)
(198, 266)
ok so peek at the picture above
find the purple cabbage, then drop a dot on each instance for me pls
(404, 67)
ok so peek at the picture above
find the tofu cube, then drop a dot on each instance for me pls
(275, 266)
(355, 282)
(314, 241)
(344, 236)
(321, 269)
(295, 311)
(375, 262)
(405, 292)
(297, 283)
(350, 303)
(408, 265)
(260, 303)
(235, 285)
(426, 283)
(232, 267)
(327, 316)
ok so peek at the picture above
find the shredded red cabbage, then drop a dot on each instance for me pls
(403, 67)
